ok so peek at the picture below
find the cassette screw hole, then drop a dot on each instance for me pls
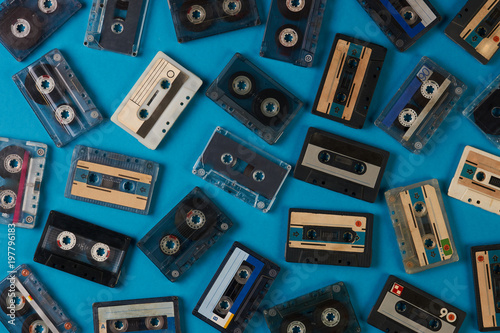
(119, 325)
(14, 164)
(65, 114)
(359, 168)
(224, 305)
(311, 234)
(48, 4)
(408, 16)
(433, 324)
(93, 178)
(143, 114)
(400, 307)
(259, 176)
(480, 176)
(243, 274)
(117, 28)
(155, 322)
(227, 159)
(45, 84)
(21, 28)
(324, 157)
(481, 31)
(341, 97)
(495, 112)
(429, 243)
(165, 84)
(66, 240)
(100, 252)
(8, 199)
(430, 90)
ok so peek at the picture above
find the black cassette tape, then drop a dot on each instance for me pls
(402, 307)
(330, 238)
(116, 25)
(256, 100)
(25, 24)
(193, 226)
(195, 19)
(27, 306)
(402, 21)
(236, 290)
(341, 165)
(476, 28)
(292, 31)
(349, 81)
(82, 249)
(325, 310)
(141, 315)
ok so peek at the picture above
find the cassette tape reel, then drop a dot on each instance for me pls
(402, 307)
(25, 24)
(325, 310)
(241, 169)
(82, 249)
(420, 105)
(58, 99)
(21, 172)
(142, 315)
(236, 290)
(330, 238)
(28, 307)
(477, 180)
(292, 31)
(421, 225)
(253, 98)
(402, 21)
(116, 25)
(476, 28)
(195, 19)
(349, 81)
(341, 165)
(185, 234)
(156, 101)
(111, 179)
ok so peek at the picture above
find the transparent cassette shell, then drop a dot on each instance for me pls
(422, 228)
(57, 97)
(420, 105)
(22, 164)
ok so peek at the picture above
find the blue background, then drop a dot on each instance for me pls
(108, 77)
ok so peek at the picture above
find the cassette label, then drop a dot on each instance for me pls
(111, 179)
(156, 100)
(57, 97)
(185, 234)
(477, 180)
(256, 100)
(349, 81)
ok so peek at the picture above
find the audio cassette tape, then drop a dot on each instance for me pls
(329, 238)
(27, 306)
(254, 99)
(116, 25)
(341, 165)
(82, 249)
(21, 171)
(156, 101)
(402, 21)
(421, 225)
(25, 24)
(142, 315)
(485, 268)
(477, 180)
(402, 307)
(420, 105)
(236, 290)
(242, 170)
(476, 28)
(57, 97)
(193, 226)
(349, 81)
(328, 309)
(195, 19)
(484, 111)
(111, 179)
(292, 31)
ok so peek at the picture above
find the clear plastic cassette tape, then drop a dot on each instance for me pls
(421, 225)
(25, 24)
(253, 98)
(155, 102)
(242, 170)
(292, 31)
(21, 171)
(193, 226)
(420, 105)
(111, 179)
(27, 306)
(57, 97)
(116, 25)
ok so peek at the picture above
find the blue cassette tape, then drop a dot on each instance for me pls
(292, 31)
(111, 179)
(28, 307)
(193, 226)
(25, 24)
(57, 97)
